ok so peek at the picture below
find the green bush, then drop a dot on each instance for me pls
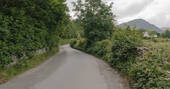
(79, 44)
(125, 43)
(29, 25)
(101, 49)
(148, 72)
(73, 43)
(166, 34)
(121, 52)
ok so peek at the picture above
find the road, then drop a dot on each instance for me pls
(69, 69)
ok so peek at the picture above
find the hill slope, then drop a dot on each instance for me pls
(165, 28)
(141, 24)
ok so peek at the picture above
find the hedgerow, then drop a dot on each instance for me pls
(125, 43)
(122, 52)
(119, 47)
(29, 25)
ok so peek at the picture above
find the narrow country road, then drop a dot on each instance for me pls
(69, 69)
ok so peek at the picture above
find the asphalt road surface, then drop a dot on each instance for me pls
(69, 69)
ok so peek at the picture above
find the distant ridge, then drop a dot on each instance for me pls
(141, 24)
(165, 28)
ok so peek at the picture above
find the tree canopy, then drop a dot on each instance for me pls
(96, 18)
(166, 34)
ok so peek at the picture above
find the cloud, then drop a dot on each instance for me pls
(155, 11)
(130, 9)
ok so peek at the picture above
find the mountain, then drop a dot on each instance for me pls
(141, 24)
(165, 28)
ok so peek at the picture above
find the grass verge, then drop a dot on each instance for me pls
(22, 66)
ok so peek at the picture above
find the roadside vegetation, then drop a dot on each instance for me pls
(29, 25)
(71, 31)
(33, 30)
(144, 61)
(30, 32)
(9, 72)
(166, 34)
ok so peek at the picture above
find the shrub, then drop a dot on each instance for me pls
(125, 43)
(78, 44)
(29, 25)
(73, 43)
(148, 73)
(101, 49)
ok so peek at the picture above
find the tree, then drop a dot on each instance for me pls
(166, 34)
(29, 25)
(152, 33)
(96, 18)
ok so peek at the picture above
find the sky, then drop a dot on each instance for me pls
(154, 11)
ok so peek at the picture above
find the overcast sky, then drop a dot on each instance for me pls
(155, 11)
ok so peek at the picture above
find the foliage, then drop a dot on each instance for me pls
(29, 25)
(78, 43)
(125, 43)
(152, 33)
(72, 30)
(148, 70)
(123, 48)
(24, 65)
(65, 41)
(148, 73)
(101, 49)
(96, 18)
(166, 34)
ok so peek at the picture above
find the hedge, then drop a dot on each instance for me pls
(123, 53)
(29, 25)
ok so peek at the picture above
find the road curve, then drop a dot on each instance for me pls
(69, 69)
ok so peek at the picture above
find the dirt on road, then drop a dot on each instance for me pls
(69, 69)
